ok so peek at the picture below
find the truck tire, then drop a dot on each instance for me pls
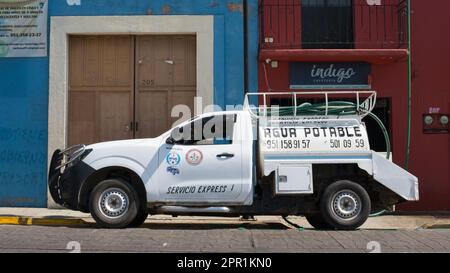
(139, 219)
(317, 221)
(345, 205)
(113, 203)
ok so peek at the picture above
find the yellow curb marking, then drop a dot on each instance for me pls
(29, 221)
(9, 220)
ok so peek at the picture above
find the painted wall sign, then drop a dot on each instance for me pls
(23, 28)
(329, 75)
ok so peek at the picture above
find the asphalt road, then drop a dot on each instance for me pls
(217, 237)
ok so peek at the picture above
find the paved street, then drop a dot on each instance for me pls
(218, 237)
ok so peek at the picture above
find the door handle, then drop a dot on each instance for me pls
(133, 126)
(225, 155)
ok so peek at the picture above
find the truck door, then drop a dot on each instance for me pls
(201, 162)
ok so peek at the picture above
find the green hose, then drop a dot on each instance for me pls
(385, 133)
(376, 214)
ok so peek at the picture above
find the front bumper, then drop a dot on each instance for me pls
(64, 186)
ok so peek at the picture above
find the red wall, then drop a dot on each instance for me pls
(430, 154)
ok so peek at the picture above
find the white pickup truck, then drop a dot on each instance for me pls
(311, 160)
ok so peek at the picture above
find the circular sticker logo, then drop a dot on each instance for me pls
(173, 159)
(194, 157)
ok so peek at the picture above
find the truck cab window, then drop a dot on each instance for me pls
(212, 130)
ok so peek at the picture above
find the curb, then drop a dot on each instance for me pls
(436, 226)
(32, 221)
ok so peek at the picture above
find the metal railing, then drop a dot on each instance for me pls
(362, 103)
(306, 24)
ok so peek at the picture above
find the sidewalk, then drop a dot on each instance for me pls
(56, 217)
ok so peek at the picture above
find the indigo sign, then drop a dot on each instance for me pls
(329, 75)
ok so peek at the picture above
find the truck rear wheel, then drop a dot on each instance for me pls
(316, 220)
(114, 204)
(345, 205)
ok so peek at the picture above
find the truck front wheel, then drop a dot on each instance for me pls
(345, 205)
(114, 204)
(141, 216)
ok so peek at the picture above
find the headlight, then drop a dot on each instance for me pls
(78, 157)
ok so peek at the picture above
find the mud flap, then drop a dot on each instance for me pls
(54, 176)
(395, 178)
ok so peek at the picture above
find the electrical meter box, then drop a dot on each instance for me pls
(294, 179)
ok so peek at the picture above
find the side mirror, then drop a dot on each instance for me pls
(170, 141)
(175, 136)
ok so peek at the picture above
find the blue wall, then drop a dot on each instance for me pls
(24, 86)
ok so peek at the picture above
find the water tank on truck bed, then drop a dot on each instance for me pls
(330, 131)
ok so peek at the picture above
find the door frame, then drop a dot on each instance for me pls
(62, 26)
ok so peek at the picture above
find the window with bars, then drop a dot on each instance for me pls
(327, 24)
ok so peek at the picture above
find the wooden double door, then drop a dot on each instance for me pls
(124, 87)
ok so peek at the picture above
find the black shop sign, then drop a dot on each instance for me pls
(329, 75)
